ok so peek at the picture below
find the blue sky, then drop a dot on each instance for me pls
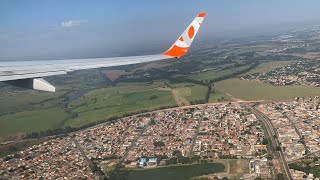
(80, 28)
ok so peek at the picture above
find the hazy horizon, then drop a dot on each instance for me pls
(51, 30)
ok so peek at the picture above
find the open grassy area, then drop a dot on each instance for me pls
(32, 111)
(234, 168)
(218, 97)
(268, 66)
(19, 101)
(31, 121)
(238, 167)
(214, 74)
(176, 172)
(116, 101)
(189, 92)
(253, 90)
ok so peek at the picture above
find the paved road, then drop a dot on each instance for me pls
(133, 143)
(197, 132)
(271, 132)
(91, 164)
(299, 134)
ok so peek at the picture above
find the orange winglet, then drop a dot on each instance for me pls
(202, 14)
(176, 51)
(183, 43)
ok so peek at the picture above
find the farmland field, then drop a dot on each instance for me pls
(116, 101)
(218, 97)
(15, 102)
(189, 92)
(214, 74)
(37, 111)
(116, 104)
(177, 172)
(30, 121)
(253, 90)
(268, 66)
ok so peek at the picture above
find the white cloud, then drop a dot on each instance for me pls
(71, 23)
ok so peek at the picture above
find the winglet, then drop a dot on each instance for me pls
(183, 43)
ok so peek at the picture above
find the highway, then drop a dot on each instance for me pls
(271, 132)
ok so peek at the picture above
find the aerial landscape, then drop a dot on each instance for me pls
(234, 107)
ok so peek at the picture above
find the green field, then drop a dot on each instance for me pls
(30, 121)
(32, 111)
(218, 97)
(176, 172)
(188, 92)
(116, 101)
(214, 74)
(253, 90)
(268, 66)
(19, 101)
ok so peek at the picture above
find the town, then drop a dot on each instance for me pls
(298, 129)
(298, 73)
(199, 133)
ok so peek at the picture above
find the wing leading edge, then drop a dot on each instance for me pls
(28, 74)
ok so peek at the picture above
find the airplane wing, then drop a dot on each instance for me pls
(28, 74)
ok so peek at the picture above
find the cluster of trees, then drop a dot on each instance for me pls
(182, 159)
(153, 97)
(278, 148)
(119, 173)
(158, 144)
(265, 141)
(249, 54)
(209, 91)
(179, 158)
(306, 167)
(200, 101)
(227, 157)
(224, 178)
(152, 122)
(235, 74)
(277, 57)
(97, 170)
(50, 132)
(296, 50)
(221, 99)
(172, 160)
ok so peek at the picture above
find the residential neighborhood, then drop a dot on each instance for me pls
(298, 73)
(200, 133)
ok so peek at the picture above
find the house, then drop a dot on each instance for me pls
(149, 162)
(142, 162)
(152, 162)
